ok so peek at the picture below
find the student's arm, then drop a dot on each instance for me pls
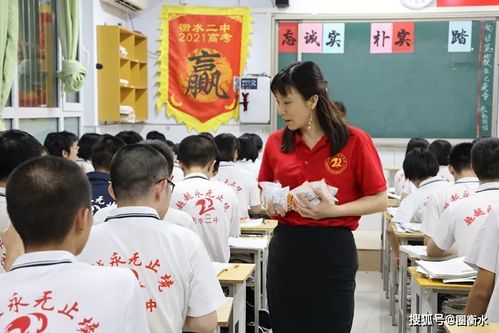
(432, 250)
(257, 210)
(203, 324)
(326, 209)
(479, 297)
(13, 245)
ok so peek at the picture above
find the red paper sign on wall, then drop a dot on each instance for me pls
(465, 3)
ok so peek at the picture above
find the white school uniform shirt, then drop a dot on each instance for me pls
(488, 259)
(4, 224)
(177, 173)
(462, 220)
(50, 291)
(172, 216)
(411, 208)
(249, 165)
(444, 173)
(214, 209)
(439, 201)
(85, 165)
(242, 183)
(170, 263)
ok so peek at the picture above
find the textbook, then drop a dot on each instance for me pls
(419, 251)
(447, 269)
(255, 242)
(252, 223)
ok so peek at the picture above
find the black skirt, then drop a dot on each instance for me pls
(311, 279)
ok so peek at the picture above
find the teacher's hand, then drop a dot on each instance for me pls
(274, 210)
(326, 208)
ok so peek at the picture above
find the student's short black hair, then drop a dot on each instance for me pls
(130, 137)
(165, 150)
(257, 140)
(155, 135)
(441, 149)
(460, 156)
(197, 150)
(44, 195)
(136, 169)
(86, 143)
(58, 142)
(420, 164)
(227, 145)
(208, 134)
(16, 146)
(485, 159)
(247, 149)
(104, 150)
(416, 143)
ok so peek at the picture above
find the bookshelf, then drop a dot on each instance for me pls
(122, 80)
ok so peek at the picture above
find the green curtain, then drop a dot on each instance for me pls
(68, 26)
(9, 28)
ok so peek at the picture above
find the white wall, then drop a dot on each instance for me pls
(259, 58)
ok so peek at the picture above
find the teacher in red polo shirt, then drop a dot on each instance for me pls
(312, 255)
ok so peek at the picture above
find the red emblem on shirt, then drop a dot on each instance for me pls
(336, 164)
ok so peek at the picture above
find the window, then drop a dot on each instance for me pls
(72, 124)
(39, 127)
(37, 55)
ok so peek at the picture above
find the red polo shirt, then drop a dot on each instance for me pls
(356, 171)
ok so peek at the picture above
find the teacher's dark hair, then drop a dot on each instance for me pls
(307, 79)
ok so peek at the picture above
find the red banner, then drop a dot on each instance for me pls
(403, 37)
(204, 52)
(465, 3)
(288, 37)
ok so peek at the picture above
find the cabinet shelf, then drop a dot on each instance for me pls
(132, 69)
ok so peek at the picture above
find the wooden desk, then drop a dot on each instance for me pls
(385, 256)
(260, 256)
(234, 278)
(490, 328)
(403, 238)
(224, 312)
(266, 228)
(424, 295)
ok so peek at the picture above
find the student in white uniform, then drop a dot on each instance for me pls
(403, 185)
(62, 144)
(212, 205)
(85, 145)
(179, 286)
(16, 147)
(247, 155)
(461, 221)
(47, 290)
(177, 173)
(441, 149)
(465, 185)
(239, 179)
(483, 298)
(421, 168)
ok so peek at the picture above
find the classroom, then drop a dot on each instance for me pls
(249, 166)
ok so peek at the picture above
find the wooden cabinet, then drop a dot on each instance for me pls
(122, 79)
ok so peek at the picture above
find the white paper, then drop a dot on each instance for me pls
(252, 223)
(258, 243)
(447, 269)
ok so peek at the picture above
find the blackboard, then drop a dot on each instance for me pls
(429, 93)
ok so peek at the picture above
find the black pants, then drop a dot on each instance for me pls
(311, 279)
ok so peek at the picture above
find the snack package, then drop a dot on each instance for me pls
(329, 191)
(275, 194)
(307, 191)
